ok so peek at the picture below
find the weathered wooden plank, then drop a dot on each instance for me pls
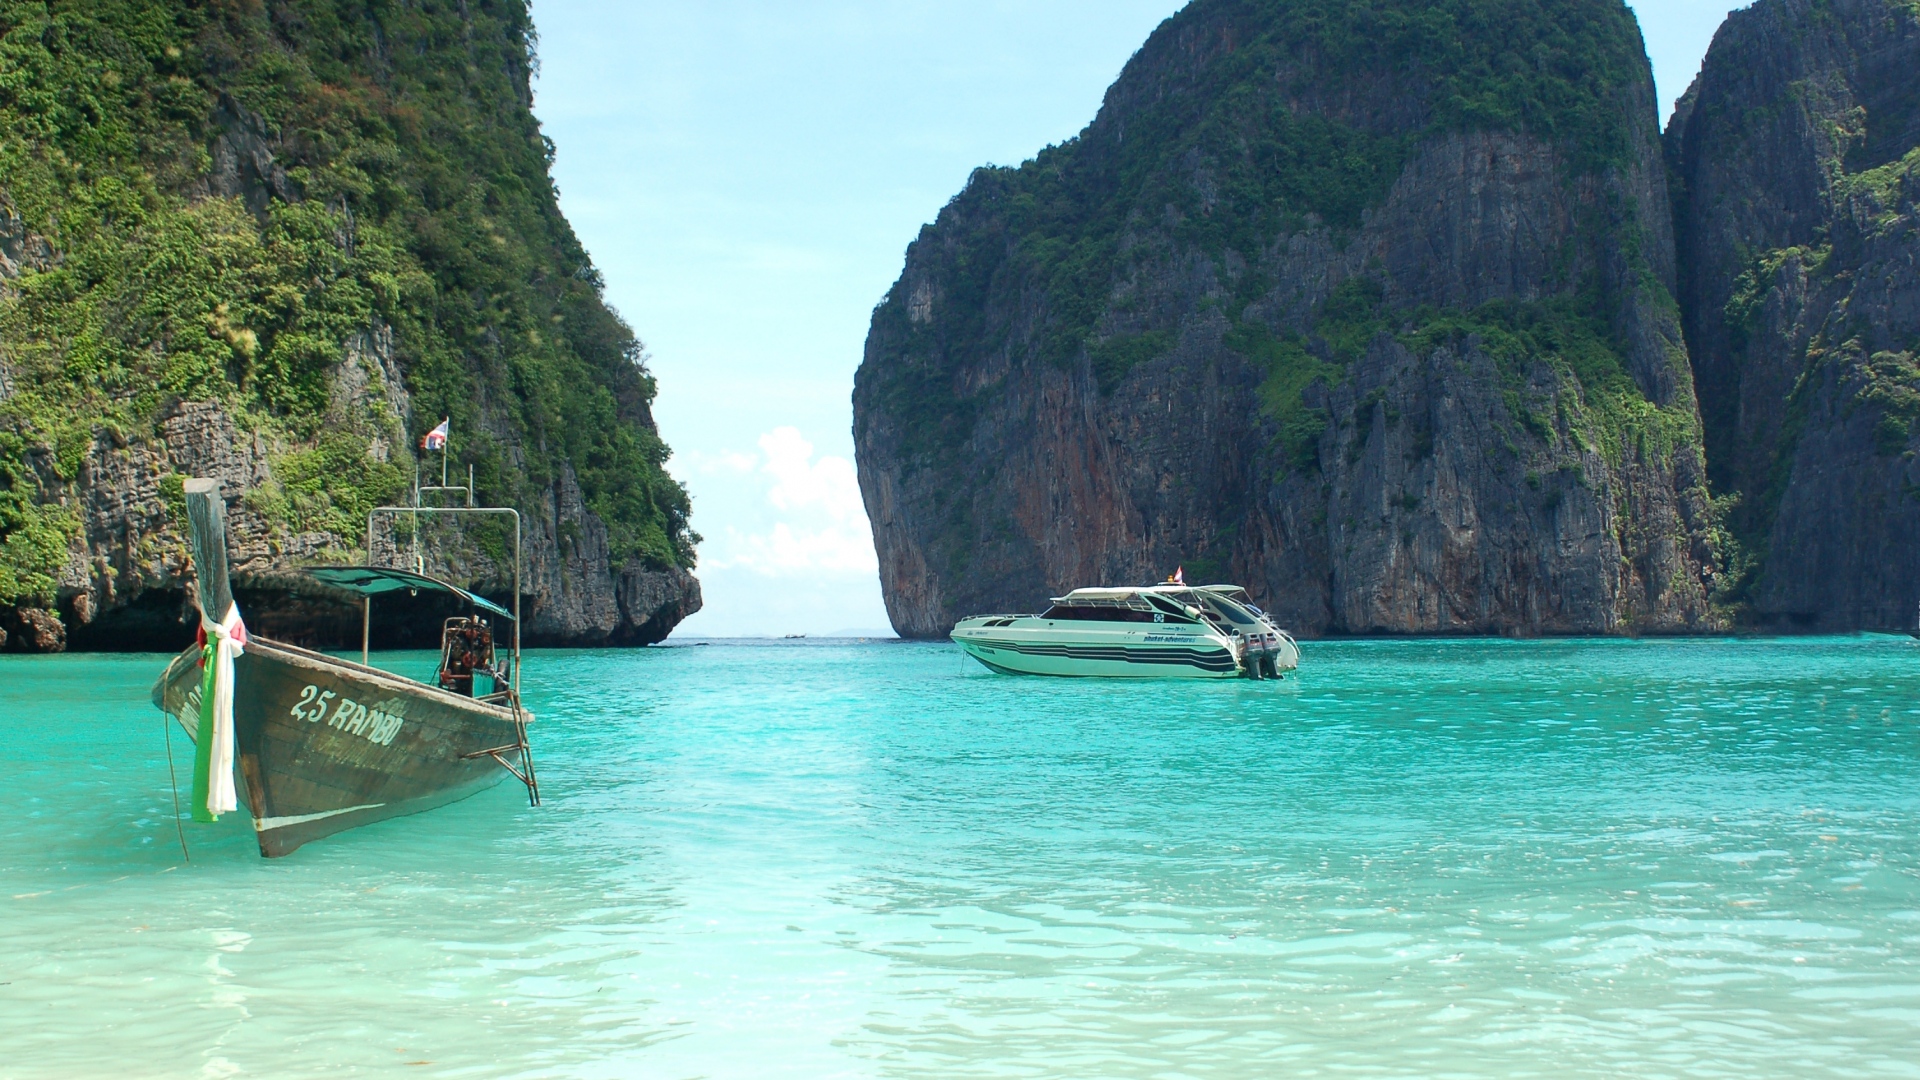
(207, 516)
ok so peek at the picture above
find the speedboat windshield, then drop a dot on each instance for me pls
(1233, 612)
(1224, 604)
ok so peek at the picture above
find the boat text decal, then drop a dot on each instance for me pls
(377, 725)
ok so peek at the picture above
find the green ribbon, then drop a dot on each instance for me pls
(203, 750)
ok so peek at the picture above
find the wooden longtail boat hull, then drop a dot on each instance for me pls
(326, 745)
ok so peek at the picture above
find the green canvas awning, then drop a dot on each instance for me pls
(368, 580)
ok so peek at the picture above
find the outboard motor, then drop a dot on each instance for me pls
(466, 646)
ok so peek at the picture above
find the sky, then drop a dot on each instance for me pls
(747, 175)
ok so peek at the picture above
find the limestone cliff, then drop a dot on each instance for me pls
(1368, 306)
(1797, 166)
(273, 243)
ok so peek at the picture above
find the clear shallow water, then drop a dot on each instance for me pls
(1696, 858)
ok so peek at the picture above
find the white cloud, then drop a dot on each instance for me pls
(829, 484)
(786, 550)
(814, 520)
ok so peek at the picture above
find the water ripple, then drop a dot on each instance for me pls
(1440, 858)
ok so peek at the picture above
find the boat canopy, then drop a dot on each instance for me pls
(1126, 594)
(368, 580)
(1222, 600)
(1130, 598)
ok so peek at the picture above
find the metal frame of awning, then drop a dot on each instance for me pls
(366, 603)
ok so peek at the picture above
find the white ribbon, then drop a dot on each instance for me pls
(229, 639)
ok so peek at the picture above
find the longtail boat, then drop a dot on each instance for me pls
(324, 744)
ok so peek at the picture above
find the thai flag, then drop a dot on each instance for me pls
(437, 438)
(1179, 575)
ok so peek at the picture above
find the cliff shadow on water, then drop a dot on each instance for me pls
(270, 244)
(1368, 306)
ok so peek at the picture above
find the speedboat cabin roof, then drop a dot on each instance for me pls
(1133, 596)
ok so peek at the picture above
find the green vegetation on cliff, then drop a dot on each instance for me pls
(163, 257)
(1840, 350)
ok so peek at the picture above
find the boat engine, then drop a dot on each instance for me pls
(466, 646)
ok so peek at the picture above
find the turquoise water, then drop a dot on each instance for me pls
(1694, 858)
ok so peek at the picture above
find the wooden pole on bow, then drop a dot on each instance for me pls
(207, 523)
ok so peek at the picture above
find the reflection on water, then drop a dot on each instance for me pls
(1417, 858)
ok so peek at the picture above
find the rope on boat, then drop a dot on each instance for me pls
(173, 779)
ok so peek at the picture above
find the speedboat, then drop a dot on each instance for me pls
(1155, 631)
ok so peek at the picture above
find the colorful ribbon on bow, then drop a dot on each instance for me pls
(213, 792)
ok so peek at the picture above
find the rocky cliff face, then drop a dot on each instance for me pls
(1330, 300)
(1798, 180)
(127, 581)
(271, 244)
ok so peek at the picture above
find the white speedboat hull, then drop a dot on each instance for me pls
(1030, 645)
